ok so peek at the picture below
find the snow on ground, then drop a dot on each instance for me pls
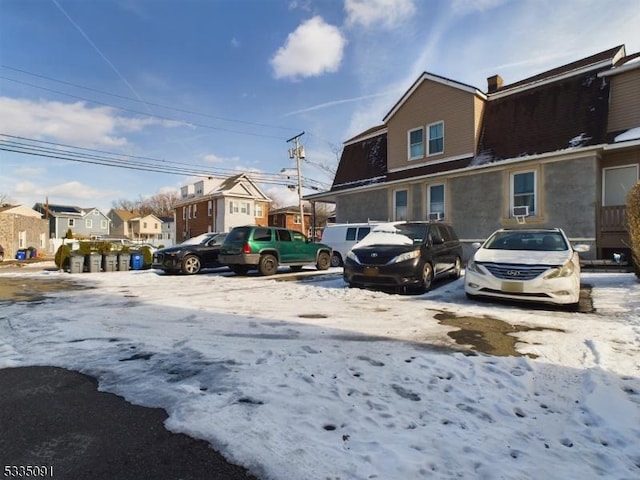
(307, 379)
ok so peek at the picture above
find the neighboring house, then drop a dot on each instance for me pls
(147, 228)
(560, 149)
(168, 234)
(218, 205)
(83, 222)
(21, 228)
(120, 221)
(289, 217)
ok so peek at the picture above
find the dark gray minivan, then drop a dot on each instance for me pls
(404, 255)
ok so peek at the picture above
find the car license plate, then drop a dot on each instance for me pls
(371, 271)
(512, 287)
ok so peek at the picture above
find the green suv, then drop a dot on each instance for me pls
(266, 248)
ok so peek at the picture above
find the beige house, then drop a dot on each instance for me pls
(22, 228)
(147, 228)
(558, 149)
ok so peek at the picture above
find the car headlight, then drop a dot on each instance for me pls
(406, 256)
(176, 253)
(472, 266)
(565, 270)
(352, 256)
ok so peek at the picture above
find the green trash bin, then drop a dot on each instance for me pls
(123, 262)
(76, 264)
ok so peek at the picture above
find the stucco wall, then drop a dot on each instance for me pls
(36, 230)
(361, 206)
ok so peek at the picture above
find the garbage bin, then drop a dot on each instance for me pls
(21, 255)
(76, 263)
(136, 261)
(109, 262)
(123, 262)
(94, 260)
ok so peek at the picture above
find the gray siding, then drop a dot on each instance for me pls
(362, 206)
(476, 204)
(570, 196)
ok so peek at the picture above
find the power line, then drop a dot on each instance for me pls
(41, 148)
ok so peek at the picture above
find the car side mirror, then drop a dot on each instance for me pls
(437, 241)
(581, 248)
(476, 245)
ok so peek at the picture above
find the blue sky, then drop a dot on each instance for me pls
(219, 86)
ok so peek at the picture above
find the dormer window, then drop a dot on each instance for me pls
(436, 138)
(416, 143)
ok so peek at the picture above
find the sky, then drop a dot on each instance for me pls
(170, 91)
(311, 379)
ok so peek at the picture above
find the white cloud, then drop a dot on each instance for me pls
(70, 123)
(213, 158)
(235, 42)
(313, 49)
(387, 13)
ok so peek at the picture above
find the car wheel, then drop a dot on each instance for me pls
(324, 261)
(336, 261)
(191, 265)
(457, 268)
(268, 265)
(239, 269)
(427, 277)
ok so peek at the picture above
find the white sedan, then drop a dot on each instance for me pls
(537, 265)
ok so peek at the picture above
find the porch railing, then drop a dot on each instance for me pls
(613, 219)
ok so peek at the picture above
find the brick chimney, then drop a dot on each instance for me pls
(494, 83)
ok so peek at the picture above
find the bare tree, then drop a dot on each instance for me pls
(160, 204)
(5, 199)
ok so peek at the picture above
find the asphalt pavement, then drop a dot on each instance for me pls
(56, 418)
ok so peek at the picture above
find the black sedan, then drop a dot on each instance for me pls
(190, 256)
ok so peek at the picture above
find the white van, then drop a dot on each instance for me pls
(341, 237)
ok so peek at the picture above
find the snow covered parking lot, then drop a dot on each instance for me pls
(312, 380)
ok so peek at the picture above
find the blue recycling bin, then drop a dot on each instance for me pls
(136, 261)
(21, 255)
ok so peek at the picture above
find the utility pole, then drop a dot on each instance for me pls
(297, 152)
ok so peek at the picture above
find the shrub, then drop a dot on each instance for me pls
(62, 256)
(633, 224)
(147, 256)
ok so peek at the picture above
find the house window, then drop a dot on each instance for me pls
(103, 224)
(435, 202)
(88, 223)
(195, 207)
(616, 183)
(296, 220)
(189, 212)
(184, 213)
(244, 208)
(523, 191)
(209, 208)
(259, 212)
(233, 207)
(400, 203)
(436, 138)
(71, 222)
(416, 143)
(144, 224)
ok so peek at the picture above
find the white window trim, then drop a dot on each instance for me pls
(418, 157)
(444, 197)
(428, 138)
(637, 167)
(535, 192)
(88, 223)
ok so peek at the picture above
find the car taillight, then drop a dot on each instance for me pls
(246, 248)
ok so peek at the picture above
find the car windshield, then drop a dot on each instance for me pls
(545, 241)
